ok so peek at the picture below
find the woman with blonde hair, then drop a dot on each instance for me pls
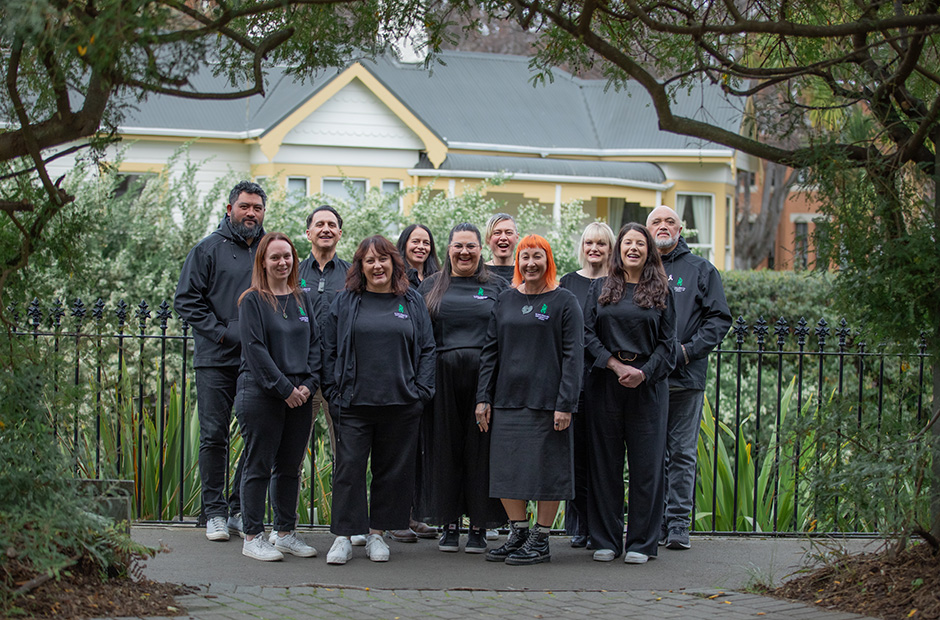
(594, 257)
(535, 330)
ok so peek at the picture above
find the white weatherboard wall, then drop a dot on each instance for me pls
(354, 117)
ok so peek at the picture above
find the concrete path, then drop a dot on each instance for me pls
(709, 581)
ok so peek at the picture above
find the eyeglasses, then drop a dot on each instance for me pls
(460, 247)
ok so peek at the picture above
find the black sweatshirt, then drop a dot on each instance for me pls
(464, 312)
(216, 272)
(279, 353)
(534, 352)
(322, 286)
(702, 314)
(624, 326)
(579, 285)
(382, 340)
(503, 271)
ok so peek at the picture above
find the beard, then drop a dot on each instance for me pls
(246, 232)
(665, 244)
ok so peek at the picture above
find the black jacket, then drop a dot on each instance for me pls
(702, 314)
(215, 273)
(339, 360)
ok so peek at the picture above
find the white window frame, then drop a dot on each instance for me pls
(323, 181)
(707, 250)
(401, 201)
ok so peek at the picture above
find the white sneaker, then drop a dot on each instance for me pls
(604, 555)
(260, 549)
(376, 548)
(635, 557)
(358, 540)
(492, 535)
(293, 544)
(217, 529)
(235, 525)
(340, 552)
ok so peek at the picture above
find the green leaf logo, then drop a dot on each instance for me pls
(401, 308)
(679, 282)
(303, 282)
(544, 308)
(302, 313)
(481, 291)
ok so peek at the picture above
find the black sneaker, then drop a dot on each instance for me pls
(663, 535)
(450, 539)
(678, 538)
(517, 538)
(579, 541)
(534, 551)
(476, 541)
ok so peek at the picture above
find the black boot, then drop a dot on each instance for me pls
(534, 551)
(518, 534)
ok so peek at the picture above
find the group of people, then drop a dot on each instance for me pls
(472, 388)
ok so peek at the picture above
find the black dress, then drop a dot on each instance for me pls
(531, 367)
(454, 462)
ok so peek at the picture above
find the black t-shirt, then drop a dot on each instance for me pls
(534, 352)
(504, 271)
(464, 312)
(383, 337)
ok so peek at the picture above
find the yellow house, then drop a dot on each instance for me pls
(388, 124)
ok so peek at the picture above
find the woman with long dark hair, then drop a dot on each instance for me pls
(417, 249)
(455, 475)
(630, 330)
(378, 372)
(279, 371)
(530, 377)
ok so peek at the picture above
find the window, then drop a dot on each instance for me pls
(297, 187)
(337, 188)
(621, 212)
(697, 213)
(801, 245)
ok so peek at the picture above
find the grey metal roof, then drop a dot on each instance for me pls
(631, 171)
(472, 98)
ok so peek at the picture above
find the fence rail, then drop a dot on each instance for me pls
(787, 412)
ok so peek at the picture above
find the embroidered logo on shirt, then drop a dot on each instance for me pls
(542, 314)
(303, 285)
(678, 288)
(303, 315)
(480, 294)
(401, 312)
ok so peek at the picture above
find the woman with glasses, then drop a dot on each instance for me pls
(460, 299)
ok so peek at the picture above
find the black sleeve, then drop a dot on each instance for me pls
(427, 361)
(716, 318)
(314, 352)
(255, 350)
(489, 357)
(190, 299)
(663, 359)
(328, 338)
(591, 341)
(572, 357)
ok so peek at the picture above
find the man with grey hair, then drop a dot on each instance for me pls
(702, 320)
(216, 272)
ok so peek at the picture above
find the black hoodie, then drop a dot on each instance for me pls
(215, 273)
(702, 314)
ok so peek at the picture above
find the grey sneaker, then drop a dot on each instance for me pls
(340, 552)
(678, 538)
(260, 549)
(235, 525)
(294, 545)
(216, 529)
(376, 548)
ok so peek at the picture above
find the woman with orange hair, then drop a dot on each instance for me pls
(536, 329)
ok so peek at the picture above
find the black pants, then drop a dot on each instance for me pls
(576, 523)
(215, 394)
(390, 435)
(635, 419)
(275, 442)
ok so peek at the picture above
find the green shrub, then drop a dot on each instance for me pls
(775, 294)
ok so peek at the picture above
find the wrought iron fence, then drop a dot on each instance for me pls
(787, 415)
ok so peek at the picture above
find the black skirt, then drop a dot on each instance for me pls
(529, 459)
(454, 459)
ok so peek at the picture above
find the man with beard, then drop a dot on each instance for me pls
(702, 320)
(216, 272)
(322, 275)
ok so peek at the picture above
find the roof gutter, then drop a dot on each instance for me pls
(543, 178)
(546, 151)
(195, 133)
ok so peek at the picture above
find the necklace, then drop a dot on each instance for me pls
(527, 308)
(283, 310)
